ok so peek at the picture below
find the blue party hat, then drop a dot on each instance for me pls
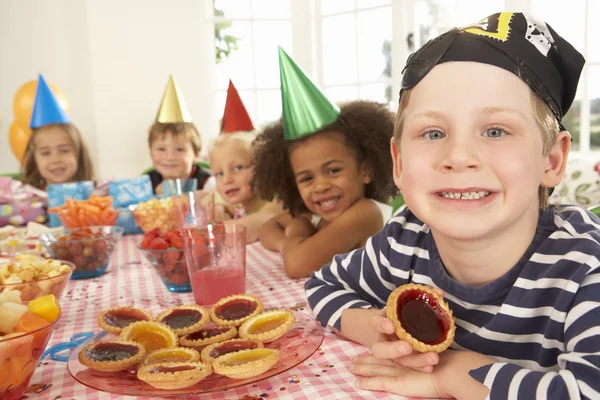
(46, 109)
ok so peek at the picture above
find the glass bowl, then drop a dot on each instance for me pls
(90, 248)
(19, 357)
(171, 266)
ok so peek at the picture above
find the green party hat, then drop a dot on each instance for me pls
(306, 110)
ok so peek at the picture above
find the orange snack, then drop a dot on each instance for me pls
(94, 211)
(30, 322)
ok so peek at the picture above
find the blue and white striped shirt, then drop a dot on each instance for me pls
(540, 321)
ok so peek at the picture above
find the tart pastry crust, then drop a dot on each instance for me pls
(171, 376)
(114, 320)
(418, 310)
(208, 335)
(176, 354)
(234, 310)
(184, 319)
(150, 334)
(210, 352)
(268, 326)
(245, 363)
(112, 355)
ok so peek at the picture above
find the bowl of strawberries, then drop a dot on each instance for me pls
(164, 251)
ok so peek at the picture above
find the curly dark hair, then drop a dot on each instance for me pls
(367, 127)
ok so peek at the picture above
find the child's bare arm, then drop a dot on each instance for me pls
(271, 233)
(256, 220)
(303, 255)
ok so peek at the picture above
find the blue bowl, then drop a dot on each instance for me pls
(89, 249)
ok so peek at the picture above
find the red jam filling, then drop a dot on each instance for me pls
(182, 318)
(111, 352)
(123, 318)
(207, 333)
(231, 347)
(422, 316)
(236, 309)
(162, 369)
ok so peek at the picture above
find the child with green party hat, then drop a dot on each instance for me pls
(329, 166)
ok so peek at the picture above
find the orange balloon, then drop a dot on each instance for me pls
(25, 98)
(18, 137)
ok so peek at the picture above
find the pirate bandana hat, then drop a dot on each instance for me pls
(516, 42)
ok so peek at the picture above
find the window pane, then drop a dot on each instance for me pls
(269, 106)
(594, 93)
(267, 35)
(371, 3)
(471, 11)
(341, 93)
(593, 31)
(234, 8)
(336, 6)
(271, 8)
(432, 18)
(569, 24)
(374, 44)
(339, 49)
(381, 92)
(238, 67)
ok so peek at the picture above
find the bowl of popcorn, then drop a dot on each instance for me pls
(155, 213)
(89, 249)
(34, 277)
(25, 328)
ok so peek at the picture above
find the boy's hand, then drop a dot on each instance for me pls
(390, 348)
(299, 227)
(387, 375)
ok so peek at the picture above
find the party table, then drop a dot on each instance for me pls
(131, 280)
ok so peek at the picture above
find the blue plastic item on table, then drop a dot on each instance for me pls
(74, 341)
(60, 192)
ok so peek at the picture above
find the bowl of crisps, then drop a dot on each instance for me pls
(155, 213)
(25, 328)
(89, 248)
(34, 277)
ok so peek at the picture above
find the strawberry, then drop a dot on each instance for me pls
(174, 237)
(153, 233)
(158, 243)
(146, 242)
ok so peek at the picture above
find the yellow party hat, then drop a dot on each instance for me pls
(172, 107)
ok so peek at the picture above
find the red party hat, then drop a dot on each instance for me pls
(235, 116)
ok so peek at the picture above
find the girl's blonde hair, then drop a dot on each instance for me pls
(245, 137)
(544, 118)
(30, 173)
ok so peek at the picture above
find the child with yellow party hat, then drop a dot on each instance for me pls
(231, 160)
(329, 166)
(174, 141)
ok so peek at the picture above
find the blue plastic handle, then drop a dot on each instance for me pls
(75, 341)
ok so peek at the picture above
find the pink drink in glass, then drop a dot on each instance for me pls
(216, 261)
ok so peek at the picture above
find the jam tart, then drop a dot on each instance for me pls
(268, 326)
(245, 363)
(176, 354)
(210, 352)
(115, 319)
(150, 334)
(209, 334)
(177, 375)
(421, 317)
(234, 310)
(184, 319)
(112, 355)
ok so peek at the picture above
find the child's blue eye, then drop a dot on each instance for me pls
(495, 133)
(218, 174)
(238, 168)
(434, 135)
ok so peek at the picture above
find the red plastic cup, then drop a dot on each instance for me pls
(216, 261)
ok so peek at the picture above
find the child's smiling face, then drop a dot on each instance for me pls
(471, 157)
(172, 156)
(328, 176)
(231, 164)
(54, 154)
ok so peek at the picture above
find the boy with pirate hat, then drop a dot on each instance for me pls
(478, 144)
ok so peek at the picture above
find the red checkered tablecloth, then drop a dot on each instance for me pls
(132, 281)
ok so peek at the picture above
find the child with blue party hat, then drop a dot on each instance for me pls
(56, 152)
(329, 166)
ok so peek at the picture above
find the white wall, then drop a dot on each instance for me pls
(112, 59)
